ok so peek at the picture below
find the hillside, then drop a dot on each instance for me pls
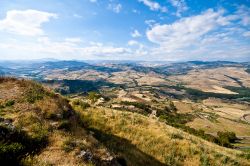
(142, 140)
(39, 127)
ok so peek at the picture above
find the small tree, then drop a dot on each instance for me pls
(226, 138)
(93, 96)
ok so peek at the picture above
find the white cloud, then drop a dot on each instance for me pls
(69, 48)
(139, 49)
(210, 35)
(180, 5)
(136, 34)
(115, 7)
(132, 43)
(93, 1)
(186, 31)
(26, 22)
(154, 6)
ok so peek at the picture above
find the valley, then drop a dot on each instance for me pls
(141, 107)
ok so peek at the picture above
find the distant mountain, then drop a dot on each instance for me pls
(211, 62)
(73, 65)
(35, 68)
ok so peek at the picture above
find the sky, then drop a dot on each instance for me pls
(150, 30)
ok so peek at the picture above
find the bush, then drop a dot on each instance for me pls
(66, 125)
(16, 144)
(9, 103)
(93, 96)
(82, 104)
(34, 92)
(142, 106)
(226, 138)
(11, 151)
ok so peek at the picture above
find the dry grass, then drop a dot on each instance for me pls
(155, 140)
(213, 80)
(42, 119)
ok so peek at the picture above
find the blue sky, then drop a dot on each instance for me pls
(170, 30)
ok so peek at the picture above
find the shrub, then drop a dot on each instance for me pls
(66, 125)
(39, 135)
(226, 138)
(34, 92)
(142, 106)
(10, 103)
(93, 96)
(11, 151)
(16, 144)
(82, 104)
(179, 121)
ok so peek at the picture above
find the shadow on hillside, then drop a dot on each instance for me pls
(78, 86)
(125, 150)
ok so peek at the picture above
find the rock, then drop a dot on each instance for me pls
(7, 123)
(86, 155)
(54, 125)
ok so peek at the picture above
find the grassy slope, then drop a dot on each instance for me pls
(47, 121)
(50, 120)
(141, 140)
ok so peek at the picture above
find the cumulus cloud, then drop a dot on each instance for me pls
(154, 6)
(186, 31)
(209, 35)
(26, 22)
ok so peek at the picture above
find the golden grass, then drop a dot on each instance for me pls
(213, 80)
(42, 118)
(221, 124)
(155, 140)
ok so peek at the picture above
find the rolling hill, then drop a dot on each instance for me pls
(39, 127)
